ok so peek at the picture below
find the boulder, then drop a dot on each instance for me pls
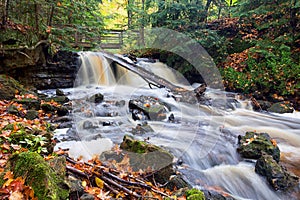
(281, 107)
(37, 173)
(96, 98)
(29, 103)
(9, 87)
(141, 129)
(59, 92)
(58, 99)
(31, 114)
(62, 111)
(278, 177)
(147, 156)
(253, 145)
(150, 107)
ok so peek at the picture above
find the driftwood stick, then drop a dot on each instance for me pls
(77, 172)
(120, 187)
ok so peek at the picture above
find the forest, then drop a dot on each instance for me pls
(255, 45)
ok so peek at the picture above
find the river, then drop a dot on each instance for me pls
(203, 137)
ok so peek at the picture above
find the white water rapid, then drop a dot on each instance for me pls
(203, 137)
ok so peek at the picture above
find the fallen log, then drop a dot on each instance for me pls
(179, 93)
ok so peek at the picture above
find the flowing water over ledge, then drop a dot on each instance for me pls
(204, 137)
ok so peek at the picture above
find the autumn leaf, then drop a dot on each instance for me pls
(16, 195)
(99, 182)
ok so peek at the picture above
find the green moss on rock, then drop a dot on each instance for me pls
(38, 174)
(195, 194)
(9, 87)
(253, 145)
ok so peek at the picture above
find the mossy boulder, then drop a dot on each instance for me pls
(58, 99)
(37, 173)
(195, 194)
(281, 107)
(278, 177)
(31, 114)
(253, 145)
(29, 103)
(143, 156)
(9, 87)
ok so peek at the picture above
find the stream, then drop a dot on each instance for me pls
(202, 137)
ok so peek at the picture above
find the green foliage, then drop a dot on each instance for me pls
(178, 15)
(270, 70)
(212, 42)
(56, 21)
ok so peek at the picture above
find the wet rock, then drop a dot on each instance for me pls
(213, 195)
(264, 105)
(62, 111)
(65, 125)
(59, 92)
(37, 173)
(225, 104)
(76, 188)
(278, 177)
(9, 87)
(281, 107)
(96, 98)
(147, 106)
(58, 99)
(31, 114)
(142, 129)
(171, 118)
(88, 125)
(48, 107)
(253, 145)
(87, 196)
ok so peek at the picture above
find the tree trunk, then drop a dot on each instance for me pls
(129, 13)
(5, 12)
(51, 15)
(204, 17)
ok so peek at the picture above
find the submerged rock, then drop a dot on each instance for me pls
(253, 145)
(37, 173)
(281, 107)
(278, 177)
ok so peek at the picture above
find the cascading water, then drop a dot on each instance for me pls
(203, 137)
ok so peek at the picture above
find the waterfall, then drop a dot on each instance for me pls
(95, 69)
(204, 137)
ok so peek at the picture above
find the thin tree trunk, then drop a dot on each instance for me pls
(36, 16)
(5, 12)
(51, 15)
(129, 13)
(204, 17)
